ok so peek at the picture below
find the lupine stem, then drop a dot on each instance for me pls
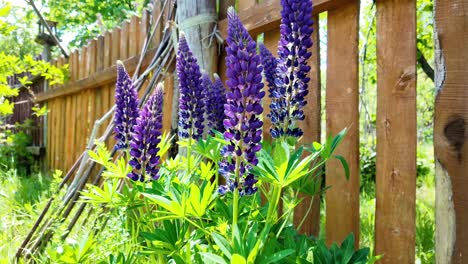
(235, 199)
(272, 213)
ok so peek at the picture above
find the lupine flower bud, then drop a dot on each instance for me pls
(126, 113)
(292, 82)
(215, 100)
(191, 101)
(269, 63)
(242, 109)
(144, 145)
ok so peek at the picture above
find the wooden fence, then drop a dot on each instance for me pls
(90, 93)
(23, 108)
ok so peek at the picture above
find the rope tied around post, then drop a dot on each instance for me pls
(200, 20)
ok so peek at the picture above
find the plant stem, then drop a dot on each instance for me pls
(274, 200)
(235, 211)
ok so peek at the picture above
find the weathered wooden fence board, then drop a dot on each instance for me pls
(396, 131)
(342, 93)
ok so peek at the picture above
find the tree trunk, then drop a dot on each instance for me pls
(451, 116)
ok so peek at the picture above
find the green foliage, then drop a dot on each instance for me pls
(14, 153)
(87, 19)
(181, 217)
(22, 198)
(15, 60)
(340, 255)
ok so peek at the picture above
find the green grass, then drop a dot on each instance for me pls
(21, 199)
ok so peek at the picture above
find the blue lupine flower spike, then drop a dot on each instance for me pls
(242, 109)
(126, 113)
(215, 100)
(144, 145)
(191, 100)
(291, 84)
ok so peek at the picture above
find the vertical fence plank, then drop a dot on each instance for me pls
(134, 36)
(91, 92)
(84, 101)
(310, 206)
(50, 135)
(143, 30)
(106, 90)
(154, 18)
(124, 39)
(396, 131)
(450, 131)
(168, 96)
(116, 35)
(74, 73)
(63, 123)
(342, 103)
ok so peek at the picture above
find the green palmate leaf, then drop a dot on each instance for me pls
(223, 244)
(198, 204)
(172, 206)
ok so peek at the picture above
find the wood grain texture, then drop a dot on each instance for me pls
(133, 36)
(154, 18)
(100, 53)
(312, 132)
(143, 28)
(396, 131)
(168, 99)
(266, 16)
(124, 40)
(97, 79)
(450, 130)
(342, 101)
(116, 35)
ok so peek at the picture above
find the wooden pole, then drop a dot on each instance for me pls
(450, 132)
(342, 101)
(197, 18)
(395, 217)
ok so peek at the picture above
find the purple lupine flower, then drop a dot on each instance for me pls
(292, 81)
(126, 113)
(269, 63)
(243, 108)
(144, 145)
(191, 101)
(215, 100)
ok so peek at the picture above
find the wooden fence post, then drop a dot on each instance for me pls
(450, 132)
(342, 107)
(197, 19)
(396, 131)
